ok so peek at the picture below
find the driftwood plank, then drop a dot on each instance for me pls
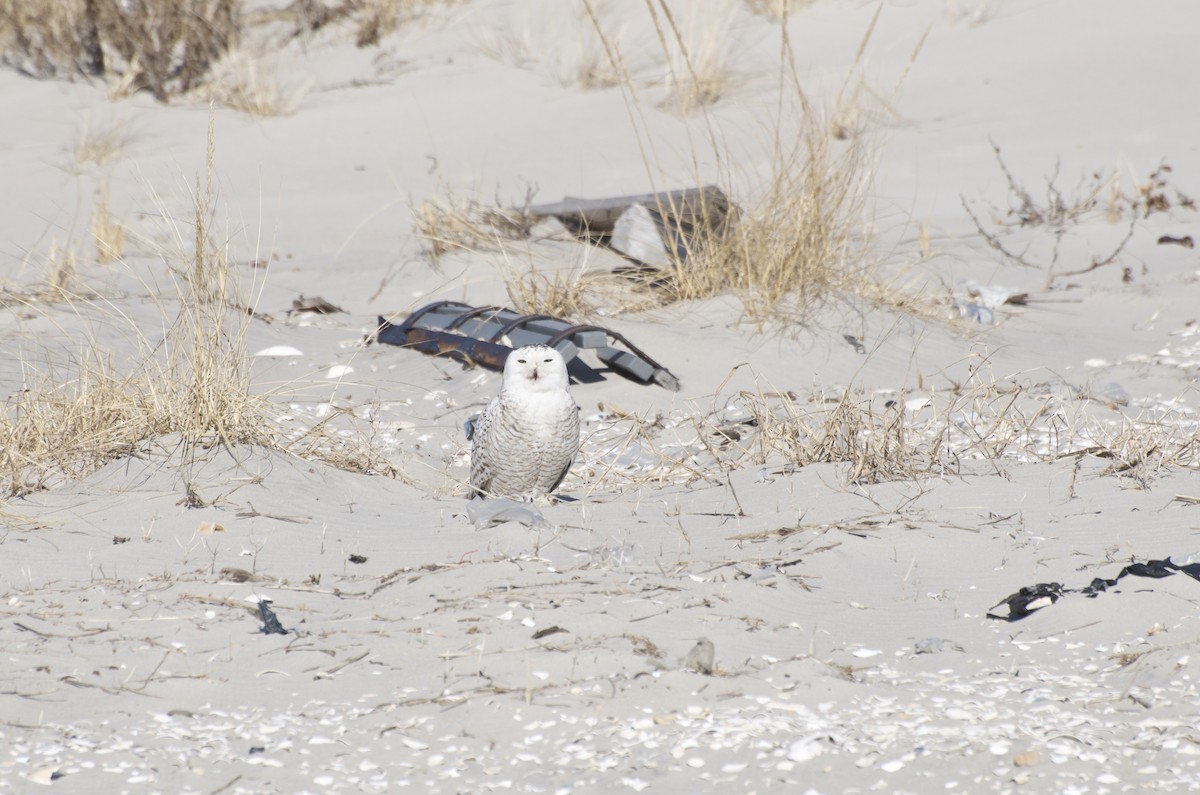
(691, 206)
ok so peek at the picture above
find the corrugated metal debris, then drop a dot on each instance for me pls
(486, 335)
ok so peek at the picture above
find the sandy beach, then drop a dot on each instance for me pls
(986, 382)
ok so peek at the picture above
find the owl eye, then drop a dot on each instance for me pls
(520, 361)
(547, 361)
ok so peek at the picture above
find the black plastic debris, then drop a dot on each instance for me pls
(485, 336)
(654, 229)
(1154, 569)
(271, 625)
(1028, 600)
(1032, 598)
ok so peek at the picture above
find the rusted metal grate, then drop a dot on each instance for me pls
(485, 336)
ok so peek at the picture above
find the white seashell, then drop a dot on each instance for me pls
(339, 371)
(804, 749)
(279, 350)
(43, 775)
(917, 403)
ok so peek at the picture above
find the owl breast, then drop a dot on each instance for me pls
(524, 444)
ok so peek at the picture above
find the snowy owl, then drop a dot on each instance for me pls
(526, 438)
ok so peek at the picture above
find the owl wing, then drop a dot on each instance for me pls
(482, 465)
(571, 438)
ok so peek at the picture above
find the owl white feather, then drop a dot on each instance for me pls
(525, 440)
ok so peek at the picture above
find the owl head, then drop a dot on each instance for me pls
(535, 368)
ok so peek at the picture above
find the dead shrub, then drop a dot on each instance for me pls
(165, 47)
(371, 20)
(1064, 212)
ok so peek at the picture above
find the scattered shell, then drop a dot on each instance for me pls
(917, 403)
(43, 775)
(804, 749)
(279, 350)
(701, 656)
(1027, 759)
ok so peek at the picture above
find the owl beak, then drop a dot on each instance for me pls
(534, 375)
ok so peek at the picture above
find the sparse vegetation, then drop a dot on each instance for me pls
(776, 9)
(162, 47)
(256, 86)
(1062, 214)
(170, 48)
(59, 281)
(799, 239)
(450, 222)
(90, 409)
(107, 232)
(371, 20)
(100, 144)
(801, 231)
(699, 59)
(903, 436)
(560, 294)
(78, 411)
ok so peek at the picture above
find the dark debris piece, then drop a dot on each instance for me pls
(655, 231)
(548, 631)
(271, 625)
(1028, 600)
(316, 304)
(1032, 598)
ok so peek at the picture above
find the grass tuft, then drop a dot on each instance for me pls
(561, 294)
(802, 237)
(107, 232)
(450, 222)
(698, 59)
(256, 86)
(80, 410)
(99, 144)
